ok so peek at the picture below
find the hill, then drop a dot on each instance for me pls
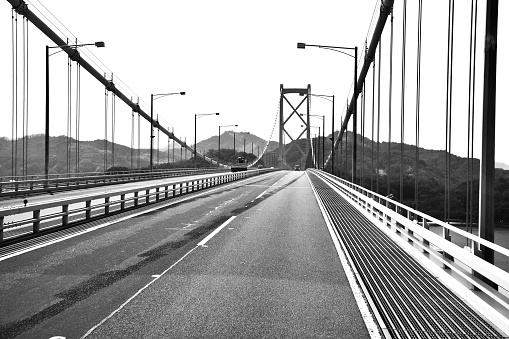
(252, 142)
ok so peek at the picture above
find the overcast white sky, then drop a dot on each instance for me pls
(231, 56)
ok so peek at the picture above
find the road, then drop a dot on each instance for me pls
(250, 259)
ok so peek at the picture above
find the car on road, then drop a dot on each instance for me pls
(296, 167)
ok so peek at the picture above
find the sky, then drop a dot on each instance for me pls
(231, 57)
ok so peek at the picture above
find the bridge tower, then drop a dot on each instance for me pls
(303, 92)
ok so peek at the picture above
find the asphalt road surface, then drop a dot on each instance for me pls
(252, 259)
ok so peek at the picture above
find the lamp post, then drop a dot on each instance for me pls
(152, 98)
(323, 142)
(196, 116)
(339, 49)
(327, 97)
(46, 130)
(219, 143)
(317, 153)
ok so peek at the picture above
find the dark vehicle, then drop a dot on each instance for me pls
(240, 165)
(296, 167)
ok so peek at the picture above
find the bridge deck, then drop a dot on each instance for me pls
(412, 303)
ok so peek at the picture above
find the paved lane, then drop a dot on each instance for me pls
(272, 271)
(66, 288)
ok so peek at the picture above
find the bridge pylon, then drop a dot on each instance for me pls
(304, 120)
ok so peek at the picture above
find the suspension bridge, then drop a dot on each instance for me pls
(348, 248)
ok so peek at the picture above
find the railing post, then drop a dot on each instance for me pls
(1, 229)
(122, 202)
(426, 226)
(107, 205)
(157, 193)
(136, 199)
(147, 196)
(181, 185)
(65, 216)
(173, 190)
(88, 213)
(166, 192)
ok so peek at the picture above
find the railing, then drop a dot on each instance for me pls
(59, 182)
(425, 245)
(40, 218)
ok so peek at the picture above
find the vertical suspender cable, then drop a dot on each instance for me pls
(471, 109)
(78, 113)
(139, 165)
(363, 126)
(157, 119)
(132, 136)
(390, 106)
(113, 118)
(26, 99)
(13, 45)
(378, 117)
(105, 128)
(69, 114)
(23, 104)
(373, 126)
(450, 44)
(403, 61)
(418, 106)
(15, 119)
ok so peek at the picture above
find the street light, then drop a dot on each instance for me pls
(327, 97)
(152, 98)
(46, 137)
(196, 116)
(219, 143)
(317, 153)
(338, 49)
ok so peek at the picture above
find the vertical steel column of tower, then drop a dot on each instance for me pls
(281, 159)
(306, 92)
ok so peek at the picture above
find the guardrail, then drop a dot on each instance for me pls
(37, 185)
(424, 245)
(40, 218)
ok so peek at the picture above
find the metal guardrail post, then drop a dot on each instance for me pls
(65, 216)
(122, 202)
(135, 199)
(36, 224)
(1, 229)
(147, 197)
(107, 205)
(88, 213)
(157, 194)
(166, 192)
(173, 190)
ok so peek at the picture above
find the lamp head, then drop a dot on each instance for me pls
(182, 93)
(217, 113)
(301, 45)
(99, 44)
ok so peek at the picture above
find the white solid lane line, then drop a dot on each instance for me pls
(216, 231)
